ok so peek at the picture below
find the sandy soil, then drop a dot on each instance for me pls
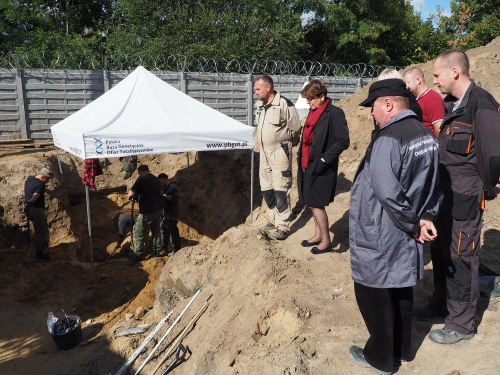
(304, 304)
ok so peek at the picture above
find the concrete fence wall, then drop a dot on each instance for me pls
(31, 101)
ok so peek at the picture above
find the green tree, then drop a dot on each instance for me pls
(370, 31)
(239, 29)
(473, 23)
(62, 33)
(55, 31)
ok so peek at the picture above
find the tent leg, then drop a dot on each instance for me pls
(59, 162)
(251, 187)
(187, 157)
(90, 232)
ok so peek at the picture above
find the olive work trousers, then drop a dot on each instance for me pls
(143, 224)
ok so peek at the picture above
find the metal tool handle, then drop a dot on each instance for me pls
(166, 334)
(132, 224)
(138, 351)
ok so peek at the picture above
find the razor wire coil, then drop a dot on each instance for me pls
(189, 64)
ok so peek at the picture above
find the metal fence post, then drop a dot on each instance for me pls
(183, 82)
(105, 80)
(23, 124)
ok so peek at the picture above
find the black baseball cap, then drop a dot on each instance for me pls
(386, 87)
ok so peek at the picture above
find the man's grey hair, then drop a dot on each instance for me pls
(266, 79)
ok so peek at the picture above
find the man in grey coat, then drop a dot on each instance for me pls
(394, 199)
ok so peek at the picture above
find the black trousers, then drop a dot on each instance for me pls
(388, 316)
(169, 228)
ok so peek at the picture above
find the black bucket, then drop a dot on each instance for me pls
(70, 337)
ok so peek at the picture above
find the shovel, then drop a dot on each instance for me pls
(132, 224)
(179, 357)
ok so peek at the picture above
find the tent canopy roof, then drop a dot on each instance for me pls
(145, 115)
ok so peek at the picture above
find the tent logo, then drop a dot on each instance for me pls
(98, 146)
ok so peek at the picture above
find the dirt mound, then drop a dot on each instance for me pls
(304, 304)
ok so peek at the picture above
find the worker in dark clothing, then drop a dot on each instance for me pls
(170, 194)
(469, 169)
(147, 189)
(34, 208)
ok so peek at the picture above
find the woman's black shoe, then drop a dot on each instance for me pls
(316, 251)
(306, 243)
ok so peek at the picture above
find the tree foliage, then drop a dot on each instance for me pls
(473, 23)
(371, 31)
(209, 28)
(347, 31)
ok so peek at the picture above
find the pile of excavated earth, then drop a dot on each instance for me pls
(266, 306)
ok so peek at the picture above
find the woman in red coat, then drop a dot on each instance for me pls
(324, 137)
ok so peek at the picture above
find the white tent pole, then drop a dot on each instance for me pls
(250, 122)
(90, 232)
(251, 187)
(59, 162)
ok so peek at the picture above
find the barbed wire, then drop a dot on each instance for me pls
(183, 63)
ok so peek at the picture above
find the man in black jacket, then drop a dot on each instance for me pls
(170, 194)
(147, 189)
(469, 170)
(34, 207)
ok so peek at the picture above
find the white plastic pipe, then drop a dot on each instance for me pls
(138, 351)
(167, 333)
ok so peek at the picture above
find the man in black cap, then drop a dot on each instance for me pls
(34, 208)
(393, 201)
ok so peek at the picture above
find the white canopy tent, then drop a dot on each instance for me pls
(145, 115)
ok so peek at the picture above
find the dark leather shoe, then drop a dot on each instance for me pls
(306, 243)
(448, 336)
(357, 356)
(317, 251)
(134, 260)
(43, 256)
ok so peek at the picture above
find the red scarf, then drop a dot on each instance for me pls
(307, 136)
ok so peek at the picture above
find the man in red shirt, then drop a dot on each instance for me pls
(429, 100)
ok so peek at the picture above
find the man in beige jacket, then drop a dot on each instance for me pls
(278, 129)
